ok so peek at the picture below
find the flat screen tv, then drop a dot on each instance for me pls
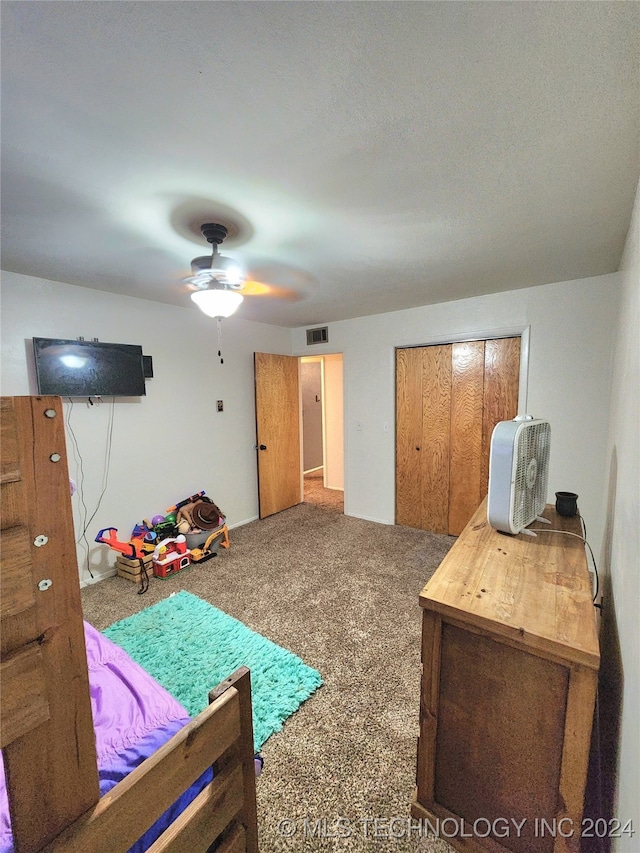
(68, 368)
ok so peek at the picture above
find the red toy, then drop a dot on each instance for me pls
(171, 556)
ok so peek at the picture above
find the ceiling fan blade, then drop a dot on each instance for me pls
(264, 278)
(280, 281)
(262, 288)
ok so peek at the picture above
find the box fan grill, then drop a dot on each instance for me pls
(518, 473)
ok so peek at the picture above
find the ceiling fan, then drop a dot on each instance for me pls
(219, 283)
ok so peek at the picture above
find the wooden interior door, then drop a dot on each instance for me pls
(448, 400)
(277, 432)
(46, 723)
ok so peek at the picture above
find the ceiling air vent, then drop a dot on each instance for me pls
(318, 336)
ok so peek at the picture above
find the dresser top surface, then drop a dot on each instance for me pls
(535, 590)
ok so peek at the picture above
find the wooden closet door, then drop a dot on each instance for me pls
(436, 438)
(409, 437)
(448, 400)
(465, 460)
(423, 428)
(501, 384)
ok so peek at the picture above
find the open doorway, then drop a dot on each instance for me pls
(321, 391)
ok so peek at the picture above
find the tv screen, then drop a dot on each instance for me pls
(88, 368)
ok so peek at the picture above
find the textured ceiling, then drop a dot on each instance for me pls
(375, 155)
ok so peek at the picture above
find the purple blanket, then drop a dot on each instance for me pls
(132, 716)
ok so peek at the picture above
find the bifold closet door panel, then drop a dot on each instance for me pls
(501, 386)
(449, 397)
(436, 437)
(467, 393)
(409, 405)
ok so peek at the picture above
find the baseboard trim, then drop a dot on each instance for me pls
(246, 521)
(98, 577)
(369, 518)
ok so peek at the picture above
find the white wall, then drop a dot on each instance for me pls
(312, 415)
(621, 551)
(172, 442)
(334, 422)
(169, 444)
(571, 335)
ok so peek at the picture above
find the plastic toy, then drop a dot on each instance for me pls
(165, 530)
(157, 519)
(135, 547)
(186, 501)
(199, 555)
(171, 556)
(143, 531)
(183, 526)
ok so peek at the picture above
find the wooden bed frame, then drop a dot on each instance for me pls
(46, 726)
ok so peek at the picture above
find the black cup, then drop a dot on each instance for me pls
(566, 503)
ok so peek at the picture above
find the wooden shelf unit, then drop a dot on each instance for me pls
(510, 662)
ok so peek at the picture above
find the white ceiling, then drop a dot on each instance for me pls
(379, 155)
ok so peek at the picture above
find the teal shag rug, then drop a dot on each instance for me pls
(189, 646)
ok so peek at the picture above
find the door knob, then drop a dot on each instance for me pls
(263, 447)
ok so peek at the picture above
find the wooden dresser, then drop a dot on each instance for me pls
(510, 661)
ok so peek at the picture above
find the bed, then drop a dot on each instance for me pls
(146, 777)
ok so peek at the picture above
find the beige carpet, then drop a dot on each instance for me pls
(315, 493)
(343, 595)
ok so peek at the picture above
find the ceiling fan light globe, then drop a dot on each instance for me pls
(217, 302)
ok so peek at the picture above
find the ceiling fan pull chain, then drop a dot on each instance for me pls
(219, 324)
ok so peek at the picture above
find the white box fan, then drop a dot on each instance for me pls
(518, 473)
